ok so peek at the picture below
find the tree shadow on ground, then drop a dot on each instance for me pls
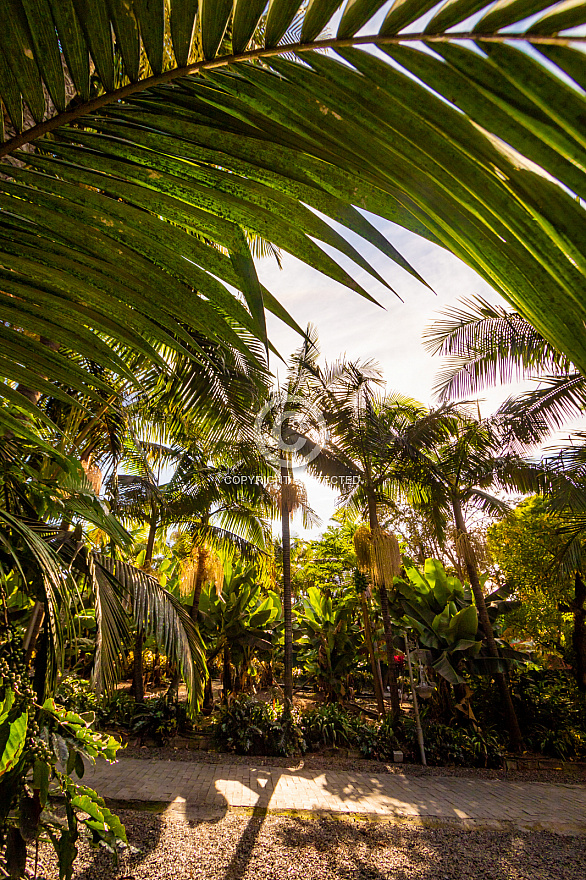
(388, 851)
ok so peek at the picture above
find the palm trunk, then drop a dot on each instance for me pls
(384, 605)
(227, 674)
(579, 634)
(208, 696)
(516, 738)
(199, 579)
(378, 689)
(137, 670)
(173, 689)
(287, 603)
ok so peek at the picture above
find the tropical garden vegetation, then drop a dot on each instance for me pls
(150, 152)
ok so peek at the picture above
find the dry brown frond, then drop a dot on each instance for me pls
(292, 495)
(94, 475)
(213, 570)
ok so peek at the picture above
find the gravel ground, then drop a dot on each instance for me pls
(275, 848)
(356, 765)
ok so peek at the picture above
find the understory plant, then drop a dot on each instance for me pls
(249, 727)
(551, 710)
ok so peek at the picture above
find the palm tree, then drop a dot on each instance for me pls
(486, 345)
(365, 431)
(457, 473)
(129, 198)
(278, 421)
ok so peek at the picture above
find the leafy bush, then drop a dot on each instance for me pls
(77, 695)
(329, 725)
(378, 740)
(248, 727)
(550, 708)
(159, 719)
(40, 748)
(464, 747)
(117, 712)
(332, 725)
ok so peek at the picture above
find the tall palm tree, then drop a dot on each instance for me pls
(460, 473)
(145, 143)
(488, 344)
(358, 459)
(279, 420)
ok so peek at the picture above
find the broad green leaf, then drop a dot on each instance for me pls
(41, 774)
(7, 704)
(441, 622)
(14, 744)
(435, 576)
(465, 645)
(464, 624)
(446, 670)
(417, 580)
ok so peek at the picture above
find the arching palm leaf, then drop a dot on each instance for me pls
(489, 345)
(154, 609)
(477, 147)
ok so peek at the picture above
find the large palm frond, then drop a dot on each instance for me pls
(128, 218)
(530, 417)
(154, 609)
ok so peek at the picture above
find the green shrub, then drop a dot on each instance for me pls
(332, 725)
(159, 719)
(550, 708)
(116, 712)
(329, 725)
(464, 747)
(77, 695)
(249, 727)
(378, 740)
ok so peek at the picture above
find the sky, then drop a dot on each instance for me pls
(349, 325)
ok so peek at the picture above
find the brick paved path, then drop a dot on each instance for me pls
(191, 788)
